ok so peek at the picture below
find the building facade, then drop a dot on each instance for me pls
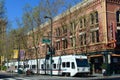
(92, 28)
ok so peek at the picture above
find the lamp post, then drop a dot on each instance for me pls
(18, 54)
(51, 45)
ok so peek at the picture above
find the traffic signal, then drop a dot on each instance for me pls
(51, 49)
(47, 57)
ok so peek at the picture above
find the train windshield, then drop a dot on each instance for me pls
(82, 63)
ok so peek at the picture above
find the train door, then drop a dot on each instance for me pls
(45, 69)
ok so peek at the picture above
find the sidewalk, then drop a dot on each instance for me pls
(92, 77)
(100, 76)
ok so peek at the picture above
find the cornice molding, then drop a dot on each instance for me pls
(114, 1)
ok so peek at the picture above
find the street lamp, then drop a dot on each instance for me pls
(51, 45)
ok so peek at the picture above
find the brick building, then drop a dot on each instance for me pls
(92, 28)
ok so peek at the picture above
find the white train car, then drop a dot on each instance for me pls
(32, 65)
(13, 66)
(69, 65)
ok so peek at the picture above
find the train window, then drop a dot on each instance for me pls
(68, 64)
(73, 65)
(63, 64)
(82, 62)
(33, 66)
(54, 66)
(21, 66)
(27, 66)
(15, 67)
(42, 67)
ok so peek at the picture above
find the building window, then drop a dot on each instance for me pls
(71, 42)
(96, 17)
(58, 32)
(58, 45)
(95, 36)
(65, 43)
(64, 30)
(118, 18)
(82, 39)
(92, 18)
(118, 36)
(72, 28)
(81, 23)
(85, 22)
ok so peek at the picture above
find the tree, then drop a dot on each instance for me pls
(3, 24)
(31, 20)
(33, 17)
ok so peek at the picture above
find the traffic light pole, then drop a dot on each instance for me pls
(51, 45)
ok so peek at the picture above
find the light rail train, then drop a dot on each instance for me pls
(67, 65)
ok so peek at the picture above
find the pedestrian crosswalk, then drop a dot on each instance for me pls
(14, 79)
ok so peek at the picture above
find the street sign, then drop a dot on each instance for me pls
(46, 41)
(48, 53)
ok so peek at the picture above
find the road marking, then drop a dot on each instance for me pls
(14, 79)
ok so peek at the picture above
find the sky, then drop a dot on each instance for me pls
(14, 9)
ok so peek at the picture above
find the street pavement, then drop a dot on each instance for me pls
(15, 76)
